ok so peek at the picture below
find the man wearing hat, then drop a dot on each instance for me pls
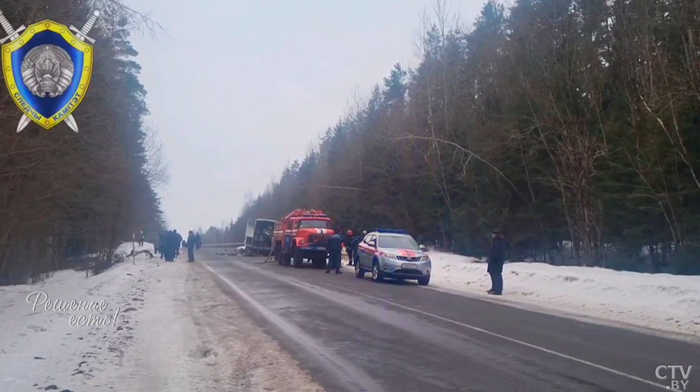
(497, 256)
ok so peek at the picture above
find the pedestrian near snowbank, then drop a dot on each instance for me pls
(497, 257)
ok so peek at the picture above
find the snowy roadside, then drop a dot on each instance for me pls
(174, 331)
(661, 302)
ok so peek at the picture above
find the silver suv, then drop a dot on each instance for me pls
(392, 254)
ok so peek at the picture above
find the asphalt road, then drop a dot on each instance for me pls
(356, 335)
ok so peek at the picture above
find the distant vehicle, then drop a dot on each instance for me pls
(303, 234)
(392, 254)
(258, 236)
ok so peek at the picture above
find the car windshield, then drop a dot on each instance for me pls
(318, 224)
(397, 242)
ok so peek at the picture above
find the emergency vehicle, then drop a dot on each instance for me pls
(302, 234)
(394, 254)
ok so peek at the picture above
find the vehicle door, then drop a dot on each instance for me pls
(368, 250)
(288, 236)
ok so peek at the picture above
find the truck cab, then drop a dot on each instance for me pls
(303, 234)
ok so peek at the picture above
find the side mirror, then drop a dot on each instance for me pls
(423, 248)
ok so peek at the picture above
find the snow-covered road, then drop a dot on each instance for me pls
(175, 330)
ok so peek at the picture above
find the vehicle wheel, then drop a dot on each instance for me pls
(298, 260)
(286, 260)
(359, 272)
(424, 281)
(377, 274)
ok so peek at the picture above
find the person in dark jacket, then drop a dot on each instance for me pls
(161, 243)
(178, 242)
(191, 243)
(198, 240)
(497, 256)
(335, 249)
(356, 246)
(168, 246)
(349, 246)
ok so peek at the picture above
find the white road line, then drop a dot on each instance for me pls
(355, 379)
(477, 329)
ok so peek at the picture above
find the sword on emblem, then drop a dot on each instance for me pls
(82, 35)
(13, 34)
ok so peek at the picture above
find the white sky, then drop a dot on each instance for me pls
(238, 89)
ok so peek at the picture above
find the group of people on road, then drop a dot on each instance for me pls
(169, 243)
(335, 249)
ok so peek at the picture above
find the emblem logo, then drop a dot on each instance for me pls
(47, 70)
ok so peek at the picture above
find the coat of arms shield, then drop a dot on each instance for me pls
(47, 70)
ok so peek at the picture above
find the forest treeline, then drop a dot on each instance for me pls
(571, 125)
(64, 195)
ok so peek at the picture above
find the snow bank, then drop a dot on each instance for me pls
(41, 347)
(659, 301)
(174, 330)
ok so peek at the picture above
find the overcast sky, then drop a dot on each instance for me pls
(240, 88)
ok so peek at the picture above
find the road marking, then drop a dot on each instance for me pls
(520, 342)
(354, 380)
(290, 279)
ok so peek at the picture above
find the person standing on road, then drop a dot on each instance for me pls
(156, 244)
(497, 256)
(191, 243)
(335, 249)
(167, 246)
(198, 240)
(178, 242)
(161, 243)
(349, 246)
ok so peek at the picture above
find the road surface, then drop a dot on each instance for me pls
(355, 335)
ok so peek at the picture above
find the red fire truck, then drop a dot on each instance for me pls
(302, 234)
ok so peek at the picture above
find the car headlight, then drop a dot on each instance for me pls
(425, 258)
(388, 256)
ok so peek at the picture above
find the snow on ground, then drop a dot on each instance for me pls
(175, 331)
(662, 302)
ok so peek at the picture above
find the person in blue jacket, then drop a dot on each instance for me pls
(335, 249)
